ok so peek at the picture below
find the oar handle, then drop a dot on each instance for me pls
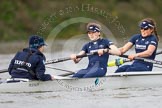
(125, 56)
(87, 54)
(81, 56)
(144, 60)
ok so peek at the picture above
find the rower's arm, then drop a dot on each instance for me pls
(148, 52)
(126, 47)
(114, 50)
(74, 56)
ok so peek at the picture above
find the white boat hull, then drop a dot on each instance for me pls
(111, 81)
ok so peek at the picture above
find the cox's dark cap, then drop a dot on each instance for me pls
(146, 25)
(36, 41)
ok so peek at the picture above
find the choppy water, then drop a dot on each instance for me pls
(119, 98)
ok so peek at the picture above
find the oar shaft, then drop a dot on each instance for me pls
(67, 74)
(149, 60)
(4, 70)
(160, 52)
(57, 60)
(60, 69)
(68, 58)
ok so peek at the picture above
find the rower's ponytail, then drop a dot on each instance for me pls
(155, 32)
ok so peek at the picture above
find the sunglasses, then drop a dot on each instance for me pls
(91, 32)
(144, 28)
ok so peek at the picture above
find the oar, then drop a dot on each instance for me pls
(144, 59)
(68, 58)
(67, 74)
(3, 70)
(65, 59)
(159, 52)
(59, 69)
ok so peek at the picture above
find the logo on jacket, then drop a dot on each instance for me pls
(147, 42)
(101, 46)
(137, 40)
(140, 46)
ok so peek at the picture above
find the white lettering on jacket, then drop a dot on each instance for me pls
(19, 62)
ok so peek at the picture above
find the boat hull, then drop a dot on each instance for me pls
(111, 81)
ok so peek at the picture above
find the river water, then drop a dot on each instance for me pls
(118, 98)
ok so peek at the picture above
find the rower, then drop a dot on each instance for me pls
(145, 46)
(97, 66)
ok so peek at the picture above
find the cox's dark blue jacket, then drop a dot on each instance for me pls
(30, 64)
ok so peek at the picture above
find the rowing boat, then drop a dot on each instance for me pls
(110, 81)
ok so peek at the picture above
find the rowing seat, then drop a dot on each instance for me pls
(14, 80)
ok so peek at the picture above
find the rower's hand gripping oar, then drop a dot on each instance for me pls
(120, 61)
(69, 58)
